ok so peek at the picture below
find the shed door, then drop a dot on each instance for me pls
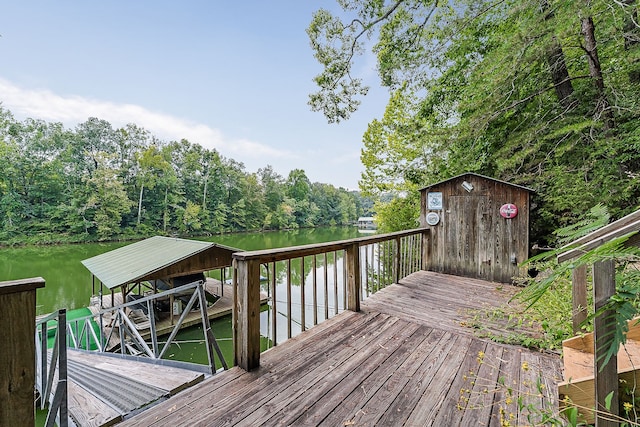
(469, 228)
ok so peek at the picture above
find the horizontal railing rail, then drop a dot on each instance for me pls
(312, 283)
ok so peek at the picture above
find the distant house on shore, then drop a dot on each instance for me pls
(366, 222)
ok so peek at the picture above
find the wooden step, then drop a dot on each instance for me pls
(578, 359)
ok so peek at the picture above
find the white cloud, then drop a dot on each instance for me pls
(71, 110)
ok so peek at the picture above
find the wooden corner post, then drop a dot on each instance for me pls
(424, 249)
(18, 356)
(352, 259)
(606, 376)
(579, 297)
(246, 327)
(396, 260)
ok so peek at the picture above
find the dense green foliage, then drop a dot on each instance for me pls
(99, 183)
(541, 93)
(546, 294)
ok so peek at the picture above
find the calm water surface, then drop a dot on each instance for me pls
(68, 282)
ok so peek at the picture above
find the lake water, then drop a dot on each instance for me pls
(68, 282)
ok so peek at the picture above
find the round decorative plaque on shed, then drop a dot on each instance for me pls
(433, 218)
(509, 210)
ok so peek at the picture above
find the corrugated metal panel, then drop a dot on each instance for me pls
(132, 262)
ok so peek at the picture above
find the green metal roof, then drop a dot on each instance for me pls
(133, 262)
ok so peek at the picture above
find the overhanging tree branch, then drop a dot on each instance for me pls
(533, 95)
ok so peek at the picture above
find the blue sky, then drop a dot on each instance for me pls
(230, 75)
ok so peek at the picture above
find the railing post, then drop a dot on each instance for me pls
(424, 250)
(352, 260)
(396, 260)
(18, 355)
(61, 395)
(579, 297)
(606, 376)
(246, 333)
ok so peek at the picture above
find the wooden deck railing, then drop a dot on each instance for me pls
(604, 286)
(309, 284)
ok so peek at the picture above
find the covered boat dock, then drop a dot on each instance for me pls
(156, 264)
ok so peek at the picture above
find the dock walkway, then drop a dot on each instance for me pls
(103, 389)
(406, 358)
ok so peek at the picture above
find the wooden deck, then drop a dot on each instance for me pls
(405, 359)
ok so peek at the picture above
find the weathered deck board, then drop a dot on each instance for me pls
(405, 359)
(89, 411)
(448, 413)
(337, 406)
(396, 411)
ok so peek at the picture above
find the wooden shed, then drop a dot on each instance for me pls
(479, 227)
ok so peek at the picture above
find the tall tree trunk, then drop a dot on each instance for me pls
(560, 73)
(557, 64)
(603, 108)
(166, 214)
(204, 193)
(140, 203)
(632, 38)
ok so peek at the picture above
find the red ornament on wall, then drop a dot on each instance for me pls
(509, 210)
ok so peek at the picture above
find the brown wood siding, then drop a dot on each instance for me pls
(210, 259)
(472, 239)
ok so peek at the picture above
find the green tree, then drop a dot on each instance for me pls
(273, 185)
(151, 166)
(107, 199)
(254, 202)
(190, 217)
(536, 92)
(298, 185)
(97, 182)
(298, 189)
(93, 137)
(129, 141)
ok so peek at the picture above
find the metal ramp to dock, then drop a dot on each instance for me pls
(86, 386)
(104, 389)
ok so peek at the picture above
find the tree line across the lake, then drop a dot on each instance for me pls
(96, 182)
